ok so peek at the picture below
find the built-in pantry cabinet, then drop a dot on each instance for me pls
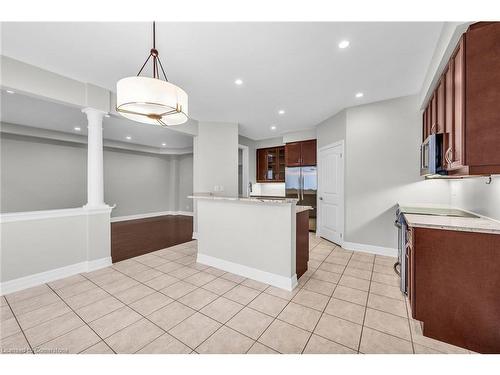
(464, 106)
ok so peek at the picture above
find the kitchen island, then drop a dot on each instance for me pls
(263, 239)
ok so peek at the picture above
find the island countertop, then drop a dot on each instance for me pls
(260, 199)
(210, 196)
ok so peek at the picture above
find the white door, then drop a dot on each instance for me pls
(331, 192)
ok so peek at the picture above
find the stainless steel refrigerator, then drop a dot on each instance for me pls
(302, 183)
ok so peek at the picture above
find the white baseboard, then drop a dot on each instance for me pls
(195, 235)
(379, 250)
(149, 214)
(287, 283)
(45, 277)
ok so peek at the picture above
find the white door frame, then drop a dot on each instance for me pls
(245, 170)
(342, 200)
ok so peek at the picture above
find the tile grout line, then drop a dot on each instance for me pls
(409, 327)
(198, 311)
(19, 325)
(197, 287)
(329, 298)
(85, 323)
(276, 317)
(366, 307)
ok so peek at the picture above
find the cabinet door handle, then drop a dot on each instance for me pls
(447, 155)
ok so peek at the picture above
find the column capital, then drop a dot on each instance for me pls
(89, 111)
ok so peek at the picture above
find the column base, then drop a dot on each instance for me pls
(102, 207)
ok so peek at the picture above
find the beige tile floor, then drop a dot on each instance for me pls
(165, 302)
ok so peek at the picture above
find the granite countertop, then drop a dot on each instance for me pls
(210, 196)
(299, 209)
(478, 224)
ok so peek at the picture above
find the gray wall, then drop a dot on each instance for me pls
(40, 174)
(185, 179)
(138, 183)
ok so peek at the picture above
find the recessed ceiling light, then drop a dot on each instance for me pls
(163, 144)
(359, 95)
(238, 82)
(107, 115)
(273, 127)
(128, 137)
(344, 44)
(281, 112)
(9, 91)
(77, 128)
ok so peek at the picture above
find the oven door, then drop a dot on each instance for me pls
(401, 267)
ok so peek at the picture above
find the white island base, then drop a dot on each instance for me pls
(250, 237)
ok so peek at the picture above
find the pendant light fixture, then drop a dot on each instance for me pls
(152, 100)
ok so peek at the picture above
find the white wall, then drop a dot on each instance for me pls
(301, 135)
(331, 130)
(252, 157)
(215, 150)
(276, 189)
(47, 245)
(475, 195)
(381, 167)
(264, 232)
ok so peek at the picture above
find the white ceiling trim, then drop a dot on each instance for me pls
(29, 131)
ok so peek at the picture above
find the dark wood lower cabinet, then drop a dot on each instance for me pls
(132, 238)
(456, 287)
(302, 243)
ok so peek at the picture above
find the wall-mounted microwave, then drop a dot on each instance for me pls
(431, 156)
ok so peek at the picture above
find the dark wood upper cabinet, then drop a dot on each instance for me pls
(482, 100)
(465, 104)
(456, 148)
(301, 154)
(440, 110)
(309, 153)
(261, 165)
(433, 103)
(271, 164)
(293, 154)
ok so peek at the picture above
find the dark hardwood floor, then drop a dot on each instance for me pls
(136, 237)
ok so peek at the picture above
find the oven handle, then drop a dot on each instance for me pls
(396, 268)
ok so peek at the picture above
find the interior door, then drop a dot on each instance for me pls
(331, 193)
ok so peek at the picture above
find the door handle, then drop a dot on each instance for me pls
(320, 198)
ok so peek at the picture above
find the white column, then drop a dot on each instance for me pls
(95, 178)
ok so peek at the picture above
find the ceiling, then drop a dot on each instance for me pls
(28, 111)
(296, 67)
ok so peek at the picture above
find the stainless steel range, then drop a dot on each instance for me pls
(401, 266)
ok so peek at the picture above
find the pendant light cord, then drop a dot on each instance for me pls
(156, 59)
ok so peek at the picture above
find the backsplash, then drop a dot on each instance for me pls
(270, 189)
(474, 194)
